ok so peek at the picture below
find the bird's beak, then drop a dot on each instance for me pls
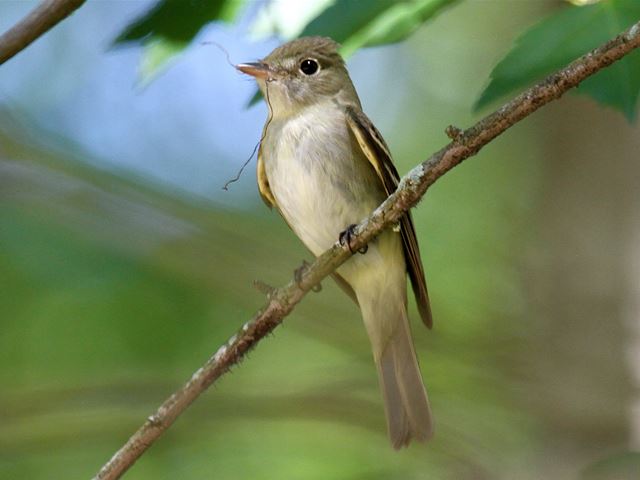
(255, 69)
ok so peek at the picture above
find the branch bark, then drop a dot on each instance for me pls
(41, 19)
(411, 189)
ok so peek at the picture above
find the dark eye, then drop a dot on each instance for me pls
(309, 66)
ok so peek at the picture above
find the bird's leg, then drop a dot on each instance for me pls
(346, 236)
(298, 272)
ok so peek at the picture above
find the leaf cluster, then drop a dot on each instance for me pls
(169, 26)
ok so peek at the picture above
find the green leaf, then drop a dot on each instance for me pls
(561, 38)
(345, 18)
(178, 20)
(382, 22)
(156, 56)
(170, 25)
(398, 22)
(257, 96)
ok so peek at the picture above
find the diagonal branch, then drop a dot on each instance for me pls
(40, 20)
(410, 191)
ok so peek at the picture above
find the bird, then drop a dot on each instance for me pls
(324, 167)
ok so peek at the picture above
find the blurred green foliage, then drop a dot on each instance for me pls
(546, 47)
(563, 37)
(621, 466)
(381, 22)
(170, 25)
(114, 290)
(349, 22)
(178, 21)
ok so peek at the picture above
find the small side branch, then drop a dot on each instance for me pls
(411, 189)
(42, 18)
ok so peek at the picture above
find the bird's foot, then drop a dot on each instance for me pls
(298, 272)
(346, 238)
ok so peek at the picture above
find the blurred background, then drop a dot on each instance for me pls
(124, 265)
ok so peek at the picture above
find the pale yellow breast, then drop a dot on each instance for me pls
(320, 181)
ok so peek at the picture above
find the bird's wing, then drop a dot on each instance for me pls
(263, 182)
(375, 149)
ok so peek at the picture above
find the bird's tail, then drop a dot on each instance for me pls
(405, 397)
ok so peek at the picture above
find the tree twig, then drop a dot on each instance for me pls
(410, 191)
(42, 18)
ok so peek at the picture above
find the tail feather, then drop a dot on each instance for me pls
(406, 401)
(397, 419)
(378, 280)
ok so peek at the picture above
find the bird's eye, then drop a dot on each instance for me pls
(309, 66)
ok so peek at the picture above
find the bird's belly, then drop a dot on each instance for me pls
(322, 183)
(317, 202)
(318, 208)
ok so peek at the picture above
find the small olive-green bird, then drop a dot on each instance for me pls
(324, 166)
